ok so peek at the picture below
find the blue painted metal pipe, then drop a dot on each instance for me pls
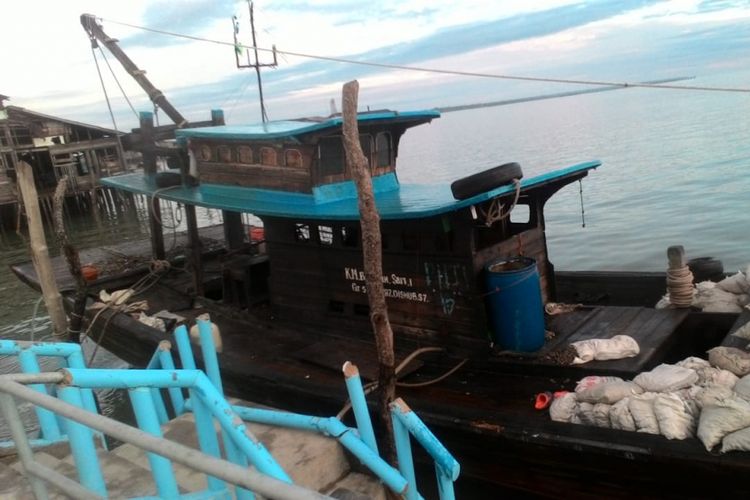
(82, 445)
(204, 428)
(359, 405)
(184, 348)
(155, 364)
(426, 438)
(445, 484)
(101, 378)
(148, 421)
(245, 440)
(332, 427)
(75, 360)
(175, 393)
(13, 347)
(47, 419)
(208, 349)
(405, 460)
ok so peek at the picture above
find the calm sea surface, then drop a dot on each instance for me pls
(675, 171)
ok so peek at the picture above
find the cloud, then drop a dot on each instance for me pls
(185, 16)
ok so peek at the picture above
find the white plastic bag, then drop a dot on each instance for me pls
(666, 378)
(735, 360)
(742, 387)
(736, 441)
(675, 416)
(564, 408)
(642, 409)
(609, 392)
(722, 418)
(736, 284)
(620, 416)
(618, 347)
(594, 380)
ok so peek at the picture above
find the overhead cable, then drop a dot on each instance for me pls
(436, 70)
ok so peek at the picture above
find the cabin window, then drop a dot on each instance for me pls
(331, 156)
(521, 214)
(268, 156)
(293, 158)
(349, 237)
(204, 153)
(302, 232)
(336, 306)
(245, 154)
(383, 149)
(365, 142)
(325, 233)
(224, 153)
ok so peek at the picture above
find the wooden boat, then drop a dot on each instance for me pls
(294, 308)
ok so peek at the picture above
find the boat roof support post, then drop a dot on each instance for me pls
(148, 153)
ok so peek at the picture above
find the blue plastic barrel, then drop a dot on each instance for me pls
(514, 303)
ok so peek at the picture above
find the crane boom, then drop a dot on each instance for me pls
(96, 32)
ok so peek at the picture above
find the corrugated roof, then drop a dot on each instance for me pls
(18, 109)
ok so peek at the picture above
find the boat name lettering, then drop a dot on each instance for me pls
(395, 294)
(354, 274)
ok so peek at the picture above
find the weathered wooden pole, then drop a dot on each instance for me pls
(39, 251)
(372, 254)
(148, 153)
(74, 263)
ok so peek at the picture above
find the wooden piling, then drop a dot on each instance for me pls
(149, 169)
(40, 252)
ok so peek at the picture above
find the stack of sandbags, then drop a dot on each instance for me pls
(729, 295)
(666, 400)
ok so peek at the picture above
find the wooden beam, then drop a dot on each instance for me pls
(149, 170)
(195, 249)
(40, 253)
(234, 229)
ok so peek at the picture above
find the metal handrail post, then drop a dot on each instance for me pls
(154, 364)
(445, 484)
(47, 420)
(82, 445)
(211, 364)
(10, 412)
(148, 421)
(175, 393)
(75, 360)
(404, 455)
(359, 405)
(204, 429)
(184, 348)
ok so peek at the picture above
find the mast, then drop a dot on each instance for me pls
(96, 32)
(257, 65)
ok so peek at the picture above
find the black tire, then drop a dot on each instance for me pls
(486, 180)
(706, 269)
(167, 179)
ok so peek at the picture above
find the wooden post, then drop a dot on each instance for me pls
(74, 263)
(372, 254)
(39, 251)
(149, 170)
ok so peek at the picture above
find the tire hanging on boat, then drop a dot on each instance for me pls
(486, 180)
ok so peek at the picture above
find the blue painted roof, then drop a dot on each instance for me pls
(293, 128)
(410, 201)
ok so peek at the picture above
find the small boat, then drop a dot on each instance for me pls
(291, 304)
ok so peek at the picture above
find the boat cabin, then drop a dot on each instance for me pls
(293, 176)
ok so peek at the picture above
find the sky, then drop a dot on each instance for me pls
(48, 65)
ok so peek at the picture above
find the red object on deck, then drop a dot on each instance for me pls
(543, 400)
(89, 272)
(257, 234)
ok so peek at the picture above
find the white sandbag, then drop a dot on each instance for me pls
(152, 321)
(736, 441)
(618, 347)
(713, 395)
(594, 380)
(722, 418)
(716, 376)
(743, 332)
(742, 387)
(711, 298)
(609, 392)
(735, 360)
(676, 418)
(736, 284)
(666, 378)
(693, 363)
(642, 409)
(564, 408)
(601, 415)
(585, 414)
(620, 416)
(663, 303)
(743, 299)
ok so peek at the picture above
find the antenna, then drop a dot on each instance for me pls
(257, 65)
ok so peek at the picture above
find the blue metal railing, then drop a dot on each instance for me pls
(52, 430)
(205, 399)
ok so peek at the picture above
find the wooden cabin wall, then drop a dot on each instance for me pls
(428, 278)
(239, 164)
